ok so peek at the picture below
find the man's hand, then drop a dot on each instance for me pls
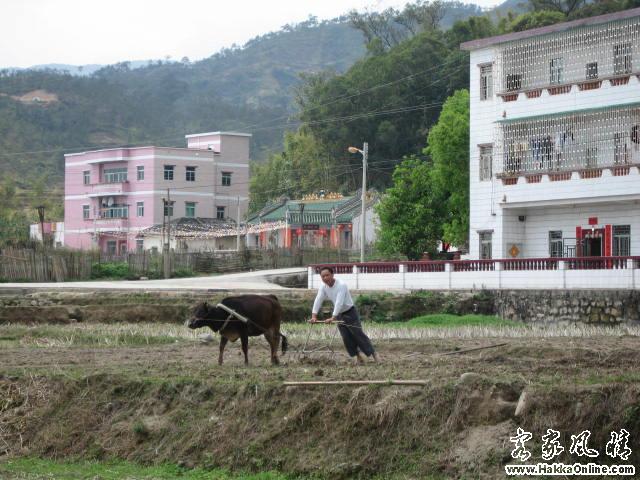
(331, 320)
(314, 318)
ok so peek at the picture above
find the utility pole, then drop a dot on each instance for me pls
(238, 227)
(166, 260)
(44, 243)
(365, 153)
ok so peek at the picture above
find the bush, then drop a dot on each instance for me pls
(183, 273)
(110, 270)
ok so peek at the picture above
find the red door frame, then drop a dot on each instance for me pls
(606, 239)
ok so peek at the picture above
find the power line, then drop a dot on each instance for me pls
(246, 127)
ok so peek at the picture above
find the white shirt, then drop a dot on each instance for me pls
(338, 294)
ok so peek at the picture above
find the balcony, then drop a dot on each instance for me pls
(557, 145)
(117, 211)
(109, 188)
(586, 56)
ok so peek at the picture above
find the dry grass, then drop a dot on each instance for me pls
(143, 334)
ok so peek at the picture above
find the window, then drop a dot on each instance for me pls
(556, 66)
(555, 243)
(140, 209)
(168, 209)
(621, 240)
(622, 59)
(592, 71)
(115, 175)
(190, 209)
(486, 159)
(111, 247)
(226, 179)
(139, 245)
(191, 174)
(486, 82)
(514, 82)
(140, 169)
(168, 172)
(591, 157)
(86, 176)
(485, 245)
(620, 150)
(86, 211)
(220, 213)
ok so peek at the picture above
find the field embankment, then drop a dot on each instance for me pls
(151, 393)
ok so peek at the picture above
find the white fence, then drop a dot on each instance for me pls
(579, 273)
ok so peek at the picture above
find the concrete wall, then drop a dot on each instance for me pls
(623, 279)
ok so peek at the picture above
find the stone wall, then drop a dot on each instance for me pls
(596, 307)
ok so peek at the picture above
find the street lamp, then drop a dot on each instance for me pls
(364, 152)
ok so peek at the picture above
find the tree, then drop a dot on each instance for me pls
(567, 7)
(530, 20)
(448, 147)
(303, 167)
(410, 212)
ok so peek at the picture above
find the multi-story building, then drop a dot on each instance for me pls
(555, 140)
(112, 194)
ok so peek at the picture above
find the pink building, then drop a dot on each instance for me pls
(110, 195)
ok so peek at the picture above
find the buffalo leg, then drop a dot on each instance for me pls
(244, 339)
(274, 340)
(223, 343)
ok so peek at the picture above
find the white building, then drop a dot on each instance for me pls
(555, 140)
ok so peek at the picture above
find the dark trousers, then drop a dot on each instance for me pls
(353, 335)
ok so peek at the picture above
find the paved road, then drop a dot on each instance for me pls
(258, 280)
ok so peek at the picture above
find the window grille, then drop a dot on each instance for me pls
(555, 70)
(115, 175)
(555, 243)
(485, 245)
(608, 48)
(574, 141)
(486, 82)
(621, 240)
(486, 159)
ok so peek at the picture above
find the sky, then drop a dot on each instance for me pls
(80, 32)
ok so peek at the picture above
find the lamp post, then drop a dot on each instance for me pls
(364, 152)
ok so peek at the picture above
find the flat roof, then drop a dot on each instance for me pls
(137, 148)
(558, 27)
(235, 134)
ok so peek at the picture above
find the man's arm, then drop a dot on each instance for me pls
(317, 304)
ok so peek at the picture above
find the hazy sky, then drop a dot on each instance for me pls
(81, 32)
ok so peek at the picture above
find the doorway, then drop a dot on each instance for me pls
(592, 241)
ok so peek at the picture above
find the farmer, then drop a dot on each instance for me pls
(355, 340)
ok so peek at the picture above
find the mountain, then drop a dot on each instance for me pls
(54, 109)
(53, 112)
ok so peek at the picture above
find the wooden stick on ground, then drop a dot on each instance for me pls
(358, 382)
(455, 352)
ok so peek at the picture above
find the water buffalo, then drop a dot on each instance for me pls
(263, 312)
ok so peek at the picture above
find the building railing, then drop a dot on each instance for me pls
(114, 212)
(516, 264)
